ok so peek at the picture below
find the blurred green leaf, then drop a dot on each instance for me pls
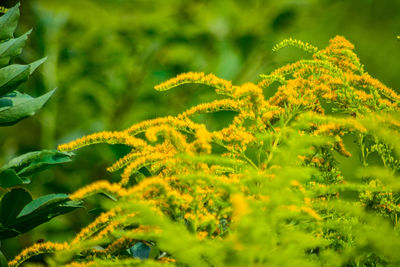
(8, 22)
(12, 48)
(11, 205)
(17, 106)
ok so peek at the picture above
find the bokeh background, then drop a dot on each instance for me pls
(105, 56)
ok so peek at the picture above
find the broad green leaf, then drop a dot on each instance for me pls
(9, 178)
(12, 48)
(17, 106)
(8, 22)
(36, 161)
(40, 202)
(11, 205)
(12, 76)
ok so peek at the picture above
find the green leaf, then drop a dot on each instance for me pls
(11, 205)
(40, 202)
(17, 106)
(36, 161)
(8, 22)
(9, 178)
(3, 260)
(36, 64)
(12, 48)
(12, 76)
(37, 212)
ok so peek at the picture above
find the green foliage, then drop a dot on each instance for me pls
(19, 213)
(15, 106)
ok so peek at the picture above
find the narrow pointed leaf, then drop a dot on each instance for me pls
(12, 76)
(17, 106)
(12, 48)
(36, 64)
(8, 22)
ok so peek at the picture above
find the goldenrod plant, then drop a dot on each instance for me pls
(19, 213)
(307, 177)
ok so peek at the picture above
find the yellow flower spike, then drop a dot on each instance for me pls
(222, 86)
(214, 106)
(293, 42)
(97, 187)
(125, 160)
(172, 135)
(122, 242)
(37, 249)
(269, 79)
(101, 221)
(81, 264)
(143, 161)
(340, 42)
(203, 140)
(103, 137)
(184, 124)
(311, 212)
(366, 79)
(106, 230)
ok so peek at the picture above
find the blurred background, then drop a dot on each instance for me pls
(105, 56)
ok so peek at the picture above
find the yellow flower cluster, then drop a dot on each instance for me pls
(210, 181)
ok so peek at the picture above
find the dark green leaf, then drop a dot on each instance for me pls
(17, 106)
(12, 48)
(38, 214)
(11, 205)
(40, 202)
(12, 76)
(9, 178)
(8, 22)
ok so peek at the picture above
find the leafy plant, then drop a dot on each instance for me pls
(19, 213)
(307, 177)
